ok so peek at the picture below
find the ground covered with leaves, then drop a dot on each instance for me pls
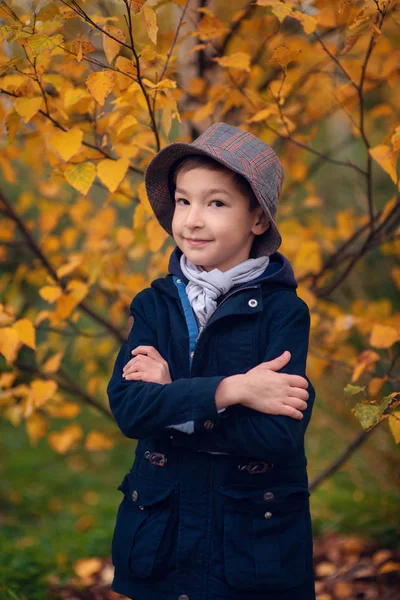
(346, 568)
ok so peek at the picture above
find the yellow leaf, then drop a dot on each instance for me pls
(67, 143)
(263, 114)
(163, 84)
(210, 27)
(395, 139)
(386, 157)
(394, 424)
(136, 5)
(366, 358)
(155, 235)
(124, 237)
(151, 22)
(391, 565)
(67, 410)
(62, 441)
(50, 293)
(28, 107)
(100, 85)
(9, 343)
(41, 391)
(73, 262)
(53, 363)
(111, 47)
(375, 385)
(203, 112)
(73, 95)
(36, 427)
(309, 23)
(81, 176)
(39, 43)
(77, 289)
(112, 172)
(86, 567)
(144, 201)
(126, 123)
(280, 10)
(95, 440)
(324, 569)
(238, 60)
(283, 56)
(383, 336)
(26, 332)
(308, 258)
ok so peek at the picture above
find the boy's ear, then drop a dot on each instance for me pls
(263, 223)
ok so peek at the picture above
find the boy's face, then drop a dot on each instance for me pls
(221, 217)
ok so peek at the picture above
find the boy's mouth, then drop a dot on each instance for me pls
(196, 242)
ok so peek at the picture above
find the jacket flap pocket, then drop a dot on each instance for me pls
(281, 498)
(145, 492)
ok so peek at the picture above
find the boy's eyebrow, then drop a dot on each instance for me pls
(208, 193)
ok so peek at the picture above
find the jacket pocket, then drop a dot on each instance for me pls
(142, 543)
(265, 537)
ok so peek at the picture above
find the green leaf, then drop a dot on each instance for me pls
(367, 414)
(351, 390)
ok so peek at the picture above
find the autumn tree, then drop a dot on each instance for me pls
(90, 91)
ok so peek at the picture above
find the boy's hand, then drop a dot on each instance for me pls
(147, 365)
(275, 393)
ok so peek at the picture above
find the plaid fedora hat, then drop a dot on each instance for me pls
(237, 150)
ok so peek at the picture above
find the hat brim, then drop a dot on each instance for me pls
(158, 192)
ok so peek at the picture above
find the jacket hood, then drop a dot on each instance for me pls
(279, 272)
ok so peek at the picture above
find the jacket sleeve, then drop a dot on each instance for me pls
(145, 409)
(247, 432)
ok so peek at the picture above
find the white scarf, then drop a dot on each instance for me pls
(204, 287)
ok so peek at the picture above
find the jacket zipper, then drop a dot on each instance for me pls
(250, 287)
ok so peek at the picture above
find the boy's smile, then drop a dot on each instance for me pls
(212, 224)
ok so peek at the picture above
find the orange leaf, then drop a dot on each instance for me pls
(383, 336)
(386, 157)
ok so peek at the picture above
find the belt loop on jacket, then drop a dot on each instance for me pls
(156, 458)
(255, 467)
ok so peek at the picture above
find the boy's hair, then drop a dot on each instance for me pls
(194, 161)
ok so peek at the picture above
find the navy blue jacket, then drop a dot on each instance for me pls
(216, 504)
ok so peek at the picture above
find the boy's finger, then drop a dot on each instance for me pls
(290, 411)
(150, 351)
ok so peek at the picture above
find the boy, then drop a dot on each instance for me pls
(216, 504)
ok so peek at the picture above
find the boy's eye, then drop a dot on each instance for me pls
(177, 200)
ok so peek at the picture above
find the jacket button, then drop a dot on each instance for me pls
(269, 496)
(179, 281)
(208, 424)
(191, 354)
(268, 515)
(253, 303)
(183, 597)
(135, 495)
(141, 507)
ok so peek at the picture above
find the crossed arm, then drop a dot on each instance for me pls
(149, 404)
